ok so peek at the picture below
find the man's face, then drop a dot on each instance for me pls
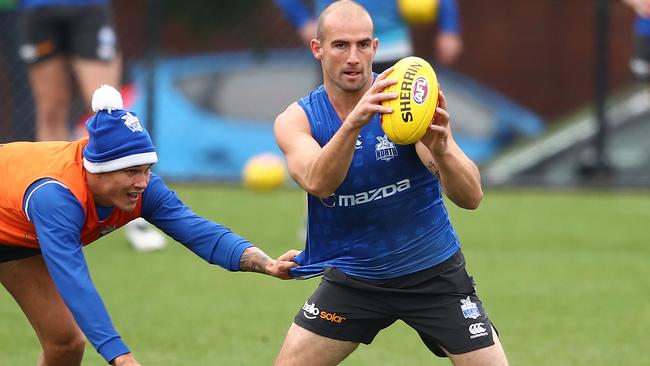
(121, 188)
(346, 52)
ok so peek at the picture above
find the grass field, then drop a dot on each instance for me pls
(564, 276)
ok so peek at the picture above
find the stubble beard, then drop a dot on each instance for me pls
(353, 87)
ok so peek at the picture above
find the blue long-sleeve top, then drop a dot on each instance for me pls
(58, 218)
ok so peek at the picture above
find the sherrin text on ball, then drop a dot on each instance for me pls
(416, 102)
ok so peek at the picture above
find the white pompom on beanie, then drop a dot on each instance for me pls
(116, 138)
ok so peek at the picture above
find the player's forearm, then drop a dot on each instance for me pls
(331, 166)
(460, 179)
(254, 260)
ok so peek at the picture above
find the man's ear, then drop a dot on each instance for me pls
(316, 49)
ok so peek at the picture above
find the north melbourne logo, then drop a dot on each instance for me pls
(469, 309)
(132, 122)
(385, 149)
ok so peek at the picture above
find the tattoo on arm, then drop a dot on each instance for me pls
(253, 261)
(431, 166)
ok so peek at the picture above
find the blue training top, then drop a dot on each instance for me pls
(387, 218)
(58, 218)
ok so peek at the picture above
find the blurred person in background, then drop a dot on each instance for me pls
(378, 230)
(640, 61)
(390, 28)
(60, 196)
(16, 102)
(63, 41)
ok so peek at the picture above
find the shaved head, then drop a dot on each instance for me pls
(342, 9)
(345, 46)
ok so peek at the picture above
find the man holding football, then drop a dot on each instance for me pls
(397, 256)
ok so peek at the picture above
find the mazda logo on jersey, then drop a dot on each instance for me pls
(345, 200)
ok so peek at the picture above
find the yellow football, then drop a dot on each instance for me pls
(416, 102)
(264, 172)
(418, 11)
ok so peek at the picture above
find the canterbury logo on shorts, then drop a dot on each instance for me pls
(477, 330)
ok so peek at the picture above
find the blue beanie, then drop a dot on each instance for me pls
(116, 138)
